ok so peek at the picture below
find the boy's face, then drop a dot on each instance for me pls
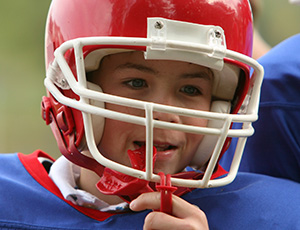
(165, 82)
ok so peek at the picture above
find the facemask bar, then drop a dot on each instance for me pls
(68, 81)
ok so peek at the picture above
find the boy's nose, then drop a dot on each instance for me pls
(168, 117)
(163, 97)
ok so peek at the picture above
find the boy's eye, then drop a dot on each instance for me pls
(136, 83)
(190, 90)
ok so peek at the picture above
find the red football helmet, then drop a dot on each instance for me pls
(216, 34)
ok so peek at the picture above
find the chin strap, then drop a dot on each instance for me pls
(59, 127)
(128, 188)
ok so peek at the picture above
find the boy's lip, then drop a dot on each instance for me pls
(160, 146)
(165, 150)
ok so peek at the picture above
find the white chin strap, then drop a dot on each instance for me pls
(208, 142)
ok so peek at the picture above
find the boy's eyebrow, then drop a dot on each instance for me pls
(143, 68)
(202, 75)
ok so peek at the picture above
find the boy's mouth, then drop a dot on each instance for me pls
(160, 147)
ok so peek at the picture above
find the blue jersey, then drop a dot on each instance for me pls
(30, 200)
(274, 149)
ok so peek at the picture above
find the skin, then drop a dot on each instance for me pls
(166, 82)
(184, 215)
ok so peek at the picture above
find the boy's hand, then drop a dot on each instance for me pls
(184, 214)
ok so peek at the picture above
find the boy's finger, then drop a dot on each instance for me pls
(181, 208)
(146, 201)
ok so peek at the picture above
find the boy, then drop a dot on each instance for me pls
(137, 91)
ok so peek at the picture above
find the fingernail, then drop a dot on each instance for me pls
(132, 204)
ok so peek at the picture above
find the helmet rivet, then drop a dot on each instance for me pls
(218, 34)
(159, 25)
(63, 82)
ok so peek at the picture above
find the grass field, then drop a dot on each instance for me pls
(21, 77)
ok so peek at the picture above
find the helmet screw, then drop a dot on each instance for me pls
(63, 82)
(159, 25)
(218, 34)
